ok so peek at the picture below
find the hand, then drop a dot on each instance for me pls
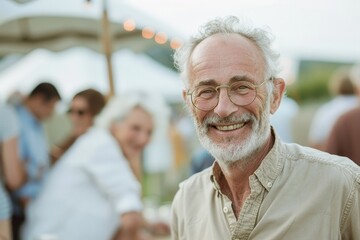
(160, 229)
(131, 224)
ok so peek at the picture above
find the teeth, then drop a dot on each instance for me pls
(230, 127)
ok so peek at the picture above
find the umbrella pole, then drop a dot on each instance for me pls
(106, 41)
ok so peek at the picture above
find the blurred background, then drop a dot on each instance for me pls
(117, 46)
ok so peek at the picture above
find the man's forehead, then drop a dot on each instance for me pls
(229, 53)
(223, 41)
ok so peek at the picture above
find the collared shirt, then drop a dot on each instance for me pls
(85, 193)
(296, 193)
(34, 151)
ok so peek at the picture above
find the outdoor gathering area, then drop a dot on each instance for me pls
(159, 120)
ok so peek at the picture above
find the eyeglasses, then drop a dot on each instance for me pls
(241, 93)
(79, 112)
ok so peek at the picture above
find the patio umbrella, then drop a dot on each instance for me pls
(58, 25)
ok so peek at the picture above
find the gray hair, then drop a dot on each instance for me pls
(118, 108)
(261, 38)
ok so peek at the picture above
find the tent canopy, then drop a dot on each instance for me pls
(58, 25)
(79, 68)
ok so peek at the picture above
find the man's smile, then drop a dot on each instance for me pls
(229, 127)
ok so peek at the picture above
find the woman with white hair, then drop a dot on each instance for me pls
(92, 193)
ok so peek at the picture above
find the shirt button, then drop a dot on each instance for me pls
(269, 184)
(225, 209)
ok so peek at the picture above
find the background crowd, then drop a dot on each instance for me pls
(34, 168)
(39, 175)
(68, 166)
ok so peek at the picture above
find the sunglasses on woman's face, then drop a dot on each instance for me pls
(79, 112)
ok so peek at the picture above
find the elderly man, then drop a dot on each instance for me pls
(258, 187)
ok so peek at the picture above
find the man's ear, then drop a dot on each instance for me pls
(184, 94)
(278, 92)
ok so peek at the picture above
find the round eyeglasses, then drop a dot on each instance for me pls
(241, 93)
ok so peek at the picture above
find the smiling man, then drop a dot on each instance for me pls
(259, 187)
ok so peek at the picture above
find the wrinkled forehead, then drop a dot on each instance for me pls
(226, 54)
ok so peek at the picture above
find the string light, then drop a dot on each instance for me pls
(160, 38)
(148, 33)
(175, 43)
(129, 25)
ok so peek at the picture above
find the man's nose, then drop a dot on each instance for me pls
(225, 106)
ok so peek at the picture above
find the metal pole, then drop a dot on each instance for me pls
(106, 41)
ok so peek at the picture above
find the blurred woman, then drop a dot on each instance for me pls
(92, 192)
(85, 106)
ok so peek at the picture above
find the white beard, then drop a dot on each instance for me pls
(234, 153)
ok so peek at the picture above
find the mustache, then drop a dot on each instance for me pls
(215, 119)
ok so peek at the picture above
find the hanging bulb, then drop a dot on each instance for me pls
(160, 38)
(129, 25)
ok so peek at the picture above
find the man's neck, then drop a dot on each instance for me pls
(234, 180)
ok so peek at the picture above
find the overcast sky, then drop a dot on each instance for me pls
(323, 29)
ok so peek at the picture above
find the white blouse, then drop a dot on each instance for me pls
(85, 193)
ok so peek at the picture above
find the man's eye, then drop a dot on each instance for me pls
(241, 88)
(206, 93)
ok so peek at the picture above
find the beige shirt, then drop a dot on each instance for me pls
(296, 193)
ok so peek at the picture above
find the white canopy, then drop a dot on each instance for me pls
(79, 68)
(58, 25)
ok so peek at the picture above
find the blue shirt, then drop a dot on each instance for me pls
(9, 128)
(34, 151)
(4, 204)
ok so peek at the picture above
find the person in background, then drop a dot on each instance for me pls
(84, 107)
(91, 192)
(12, 169)
(259, 187)
(344, 99)
(201, 160)
(344, 138)
(35, 108)
(283, 120)
(5, 214)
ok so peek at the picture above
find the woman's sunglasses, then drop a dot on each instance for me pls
(79, 112)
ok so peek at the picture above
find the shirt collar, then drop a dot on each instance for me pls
(271, 165)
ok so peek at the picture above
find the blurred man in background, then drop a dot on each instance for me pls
(35, 108)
